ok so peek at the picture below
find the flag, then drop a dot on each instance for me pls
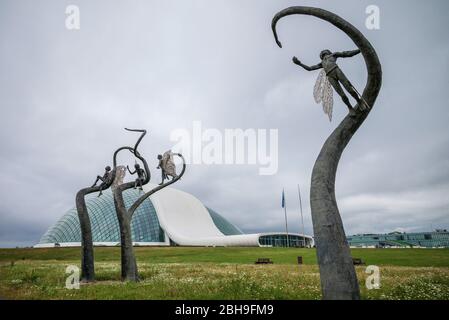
(283, 199)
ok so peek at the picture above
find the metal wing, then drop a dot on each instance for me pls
(166, 155)
(319, 85)
(322, 93)
(169, 163)
(120, 174)
(328, 99)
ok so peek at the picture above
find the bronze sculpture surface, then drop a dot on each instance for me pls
(337, 273)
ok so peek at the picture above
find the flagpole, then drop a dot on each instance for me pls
(285, 214)
(302, 218)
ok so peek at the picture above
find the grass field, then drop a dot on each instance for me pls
(218, 273)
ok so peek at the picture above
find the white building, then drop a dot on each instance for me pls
(169, 217)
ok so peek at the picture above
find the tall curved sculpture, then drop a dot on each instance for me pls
(128, 260)
(87, 247)
(337, 273)
(129, 270)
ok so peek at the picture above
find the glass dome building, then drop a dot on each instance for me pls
(104, 223)
(169, 217)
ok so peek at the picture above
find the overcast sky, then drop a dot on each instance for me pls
(66, 95)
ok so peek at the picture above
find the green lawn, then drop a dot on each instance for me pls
(392, 257)
(218, 273)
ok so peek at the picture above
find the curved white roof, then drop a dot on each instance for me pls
(187, 221)
(181, 216)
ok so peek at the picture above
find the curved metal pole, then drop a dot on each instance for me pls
(128, 261)
(144, 132)
(337, 273)
(136, 153)
(87, 254)
(87, 247)
(118, 151)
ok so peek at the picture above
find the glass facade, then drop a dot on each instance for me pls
(104, 223)
(223, 225)
(434, 239)
(280, 240)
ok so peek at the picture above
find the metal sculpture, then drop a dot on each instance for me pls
(337, 273)
(333, 77)
(129, 270)
(167, 165)
(141, 175)
(87, 250)
(106, 180)
(128, 261)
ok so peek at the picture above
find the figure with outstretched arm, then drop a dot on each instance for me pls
(338, 276)
(335, 76)
(141, 175)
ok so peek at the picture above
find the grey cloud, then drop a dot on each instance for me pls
(65, 97)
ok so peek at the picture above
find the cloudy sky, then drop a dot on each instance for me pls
(66, 95)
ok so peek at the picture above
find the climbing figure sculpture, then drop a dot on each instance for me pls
(106, 180)
(333, 77)
(167, 166)
(87, 246)
(141, 175)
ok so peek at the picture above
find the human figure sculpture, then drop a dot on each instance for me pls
(160, 166)
(87, 247)
(141, 175)
(337, 273)
(335, 77)
(167, 166)
(129, 268)
(105, 180)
